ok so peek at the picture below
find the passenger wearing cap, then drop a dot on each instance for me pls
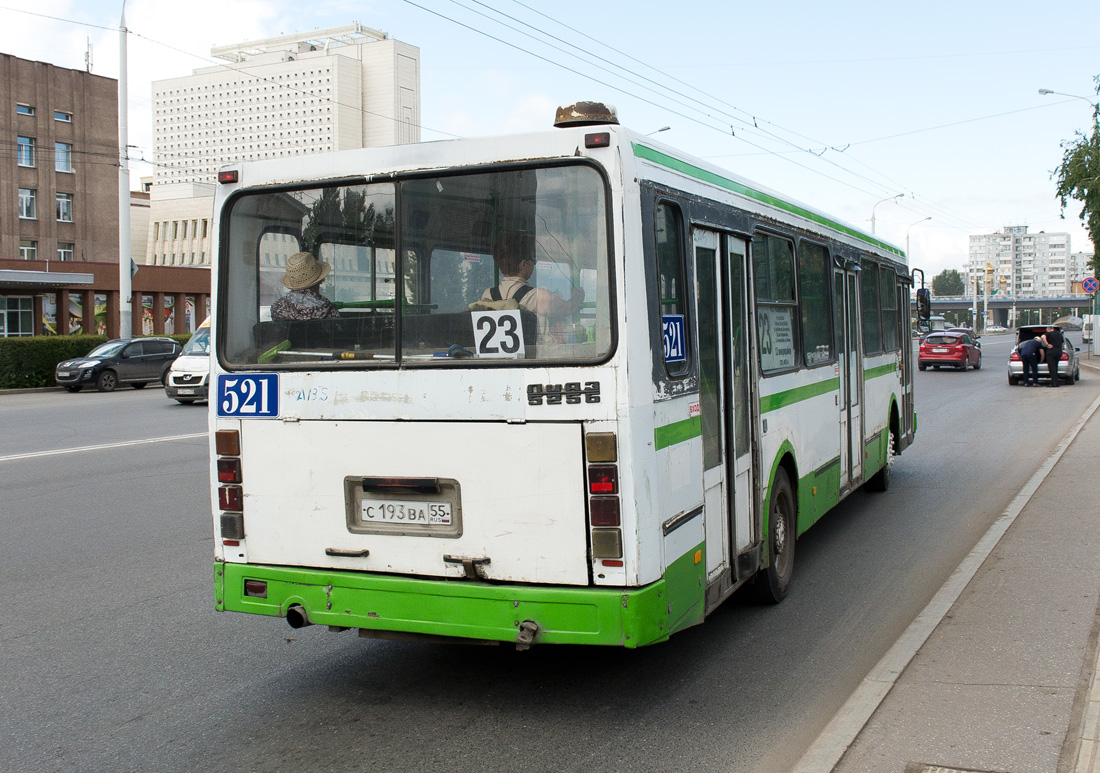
(304, 274)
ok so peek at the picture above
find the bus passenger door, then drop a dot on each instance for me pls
(723, 397)
(850, 371)
(740, 394)
(906, 340)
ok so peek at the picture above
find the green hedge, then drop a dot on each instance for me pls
(31, 362)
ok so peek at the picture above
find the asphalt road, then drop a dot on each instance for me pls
(113, 657)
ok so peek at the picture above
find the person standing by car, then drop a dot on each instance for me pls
(1054, 342)
(1029, 354)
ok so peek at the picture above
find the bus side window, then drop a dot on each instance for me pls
(813, 285)
(889, 300)
(872, 308)
(773, 268)
(670, 284)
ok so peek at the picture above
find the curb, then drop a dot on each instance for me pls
(828, 749)
(29, 390)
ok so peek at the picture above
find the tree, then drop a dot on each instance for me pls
(1078, 177)
(948, 282)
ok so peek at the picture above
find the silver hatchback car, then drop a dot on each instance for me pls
(1069, 369)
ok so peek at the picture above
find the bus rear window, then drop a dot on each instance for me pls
(486, 268)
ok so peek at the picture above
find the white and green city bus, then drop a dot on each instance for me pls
(431, 465)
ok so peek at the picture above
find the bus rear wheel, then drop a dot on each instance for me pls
(772, 583)
(880, 481)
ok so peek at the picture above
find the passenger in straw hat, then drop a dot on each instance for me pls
(304, 274)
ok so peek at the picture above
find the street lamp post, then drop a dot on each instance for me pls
(1095, 116)
(907, 233)
(1095, 105)
(1044, 92)
(888, 198)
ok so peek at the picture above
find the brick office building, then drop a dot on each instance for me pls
(59, 245)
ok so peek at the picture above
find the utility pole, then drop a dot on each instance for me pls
(125, 289)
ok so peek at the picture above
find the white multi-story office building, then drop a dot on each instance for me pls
(1017, 263)
(332, 89)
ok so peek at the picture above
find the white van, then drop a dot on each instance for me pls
(188, 378)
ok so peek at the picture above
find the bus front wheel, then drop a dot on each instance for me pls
(772, 582)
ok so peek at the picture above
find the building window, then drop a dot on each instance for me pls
(58, 115)
(63, 157)
(64, 207)
(16, 316)
(28, 209)
(24, 110)
(28, 250)
(25, 151)
(65, 250)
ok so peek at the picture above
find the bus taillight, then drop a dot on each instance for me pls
(603, 479)
(607, 543)
(229, 471)
(604, 517)
(603, 511)
(227, 443)
(600, 447)
(231, 498)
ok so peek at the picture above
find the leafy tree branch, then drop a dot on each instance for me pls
(1078, 177)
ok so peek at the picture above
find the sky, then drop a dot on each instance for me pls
(841, 106)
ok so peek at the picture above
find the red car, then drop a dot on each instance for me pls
(956, 350)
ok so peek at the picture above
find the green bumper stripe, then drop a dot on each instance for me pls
(627, 617)
(675, 164)
(671, 434)
(797, 395)
(881, 370)
(685, 580)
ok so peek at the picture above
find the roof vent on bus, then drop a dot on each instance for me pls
(585, 114)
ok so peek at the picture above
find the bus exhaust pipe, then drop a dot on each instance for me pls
(297, 617)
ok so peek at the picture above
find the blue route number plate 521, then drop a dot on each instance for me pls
(672, 327)
(248, 395)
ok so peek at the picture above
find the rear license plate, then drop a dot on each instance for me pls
(406, 512)
(426, 507)
(939, 351)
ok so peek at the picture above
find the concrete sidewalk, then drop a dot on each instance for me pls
(1007, 680)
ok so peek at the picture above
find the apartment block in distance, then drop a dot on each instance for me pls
(1020, 264)
(331, 89)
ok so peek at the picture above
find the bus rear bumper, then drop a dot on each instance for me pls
(626, 617)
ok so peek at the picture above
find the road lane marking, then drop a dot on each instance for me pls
(846, 725)
(104, 446)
